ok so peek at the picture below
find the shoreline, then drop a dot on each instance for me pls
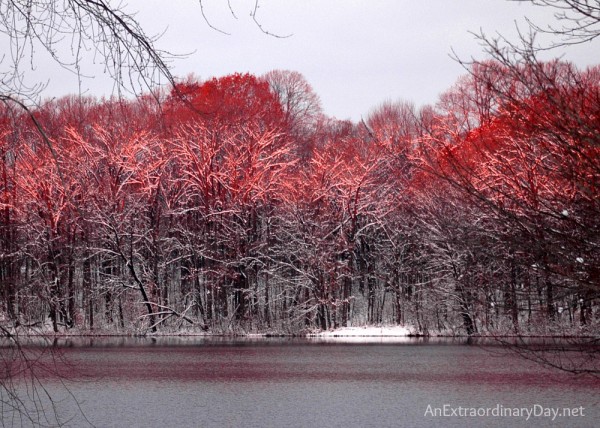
(329, 334)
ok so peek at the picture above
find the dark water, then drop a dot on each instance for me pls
(304, 383)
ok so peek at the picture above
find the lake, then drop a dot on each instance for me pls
(224, 382)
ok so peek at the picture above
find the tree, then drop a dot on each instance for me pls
(579, 19)
(300, 104)
(519, 141)
(301, 108)
(130, 57)
(229, 102)
(128, 54)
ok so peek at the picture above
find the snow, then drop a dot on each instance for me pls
(565, 213)
(365, 334)
(396, 330)
(579, 259)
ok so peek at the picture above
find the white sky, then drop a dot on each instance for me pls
(355, 54)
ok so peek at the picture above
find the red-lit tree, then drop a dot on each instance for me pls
(529, 166)
(233, 101)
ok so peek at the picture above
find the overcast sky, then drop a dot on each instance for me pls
(355, 54)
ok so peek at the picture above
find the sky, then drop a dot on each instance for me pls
(355, 54)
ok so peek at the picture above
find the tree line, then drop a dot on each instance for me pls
(235, 205)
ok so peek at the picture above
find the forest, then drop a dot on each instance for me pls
(235, 205)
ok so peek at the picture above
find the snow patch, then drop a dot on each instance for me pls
(365, 334)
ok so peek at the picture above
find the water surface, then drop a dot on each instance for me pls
(198, 382)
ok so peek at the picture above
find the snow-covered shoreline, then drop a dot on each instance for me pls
(356, 334)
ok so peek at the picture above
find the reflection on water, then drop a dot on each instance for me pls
(201, 381)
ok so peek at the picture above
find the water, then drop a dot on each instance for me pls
(303, 383)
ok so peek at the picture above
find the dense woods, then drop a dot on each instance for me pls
(235, 205)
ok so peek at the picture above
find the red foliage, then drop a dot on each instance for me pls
(230, 101)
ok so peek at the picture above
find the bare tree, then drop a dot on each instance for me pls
(71, 32)
(545, 233)
(301, 107)
(579, 21)
(300, 104)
